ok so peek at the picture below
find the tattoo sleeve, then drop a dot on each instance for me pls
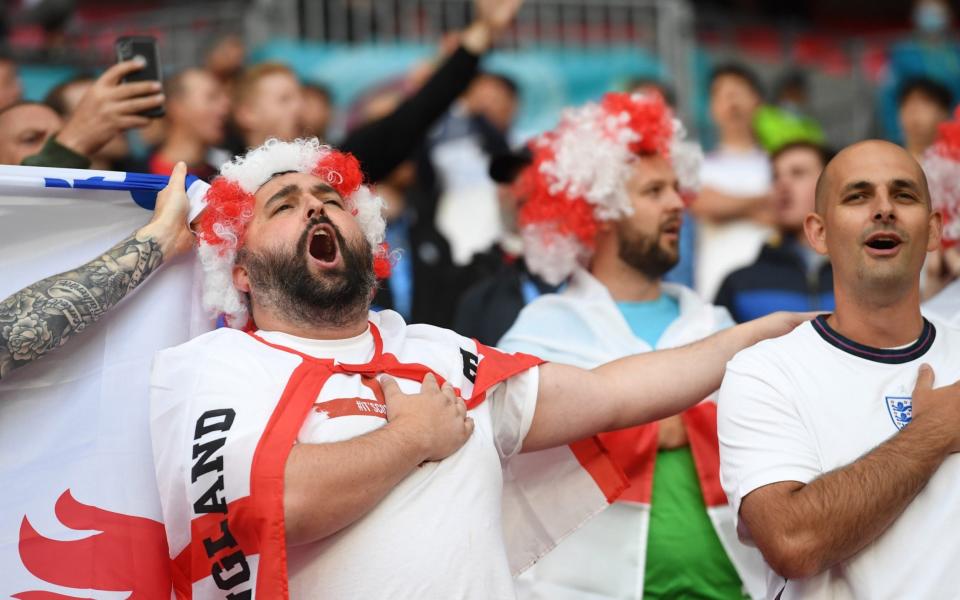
(44, 315)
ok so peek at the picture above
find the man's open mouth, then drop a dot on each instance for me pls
(885, 240)
(671, 227)
(323, 243)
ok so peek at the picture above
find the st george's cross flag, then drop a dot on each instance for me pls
(79, 512)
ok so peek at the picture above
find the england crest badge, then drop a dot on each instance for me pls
(900, 409)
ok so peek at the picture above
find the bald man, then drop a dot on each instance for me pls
(837, 451)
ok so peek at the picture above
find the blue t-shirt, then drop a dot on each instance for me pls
(648, 320)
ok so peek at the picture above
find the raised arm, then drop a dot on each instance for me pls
(383, 144)
(803, 530)
(575, 403)
(45, 315)
(329, 486)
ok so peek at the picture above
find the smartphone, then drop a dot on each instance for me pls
(144, 46)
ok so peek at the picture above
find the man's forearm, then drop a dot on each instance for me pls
(44, 315)
(651, 386)
(835, 516)
(714, 205)
(329, 486)
(573, 403)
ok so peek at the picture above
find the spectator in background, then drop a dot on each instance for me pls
(788, 274)
(788, 120)
(457, 159)
(10, 88)
(733, 208)
(490, 305)
(24, 129)
(317, 110)
(197, 111)
(670, 535)
(65, 98)
(429, 281)
(922, 105)
(496, 98)
(931, 52)
(268, 102)
(225, 58)
(107, 109)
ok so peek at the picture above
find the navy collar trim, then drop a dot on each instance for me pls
(881, 355)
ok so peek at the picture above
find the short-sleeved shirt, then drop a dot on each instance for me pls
(799, 406)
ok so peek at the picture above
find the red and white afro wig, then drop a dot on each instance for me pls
(229, 209)
(577, 178)
(941, 164)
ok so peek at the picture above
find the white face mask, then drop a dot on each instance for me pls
(931, 17)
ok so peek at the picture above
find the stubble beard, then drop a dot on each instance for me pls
(646, 254)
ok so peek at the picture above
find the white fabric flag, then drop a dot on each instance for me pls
(80, 515)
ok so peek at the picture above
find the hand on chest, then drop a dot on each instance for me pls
(350, 405)
(852, 413)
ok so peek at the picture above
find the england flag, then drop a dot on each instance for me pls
(79, 513)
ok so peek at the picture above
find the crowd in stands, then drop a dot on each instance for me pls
(435, 142)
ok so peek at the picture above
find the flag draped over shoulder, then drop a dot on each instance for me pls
(79, 512)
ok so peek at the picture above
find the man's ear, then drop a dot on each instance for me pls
(241, 279)
(816, 231)
(936, 231)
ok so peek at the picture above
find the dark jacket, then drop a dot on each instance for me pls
(778, 280)
(488, 308)
(381, 145)
(53, 154)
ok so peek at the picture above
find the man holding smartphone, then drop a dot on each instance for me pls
(106, 110)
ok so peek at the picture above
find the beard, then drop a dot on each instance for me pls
(645, 253)
(283, 282)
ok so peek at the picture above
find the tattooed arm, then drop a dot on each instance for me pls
(44, 315)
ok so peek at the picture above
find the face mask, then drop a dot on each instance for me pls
(930, 18)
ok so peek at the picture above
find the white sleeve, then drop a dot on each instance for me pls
(512, 404)
(762, 438)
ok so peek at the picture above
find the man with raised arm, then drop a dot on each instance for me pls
(836, 447)
(287, 463)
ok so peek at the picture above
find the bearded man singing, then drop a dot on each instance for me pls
(315, 449)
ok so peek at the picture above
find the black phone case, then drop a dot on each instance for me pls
(129, 47)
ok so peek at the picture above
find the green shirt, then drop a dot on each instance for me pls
(685, 559)
(53, 154)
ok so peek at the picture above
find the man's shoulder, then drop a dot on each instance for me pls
(218, 338)
(560, 327)
(776, 352)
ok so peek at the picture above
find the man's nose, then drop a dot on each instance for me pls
(314, 208)
(675, 201)
(884, 210)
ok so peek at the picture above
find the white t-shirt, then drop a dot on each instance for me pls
(725, 247)
(796, 407)
(448, 511)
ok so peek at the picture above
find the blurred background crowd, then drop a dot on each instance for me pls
(768, 90)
